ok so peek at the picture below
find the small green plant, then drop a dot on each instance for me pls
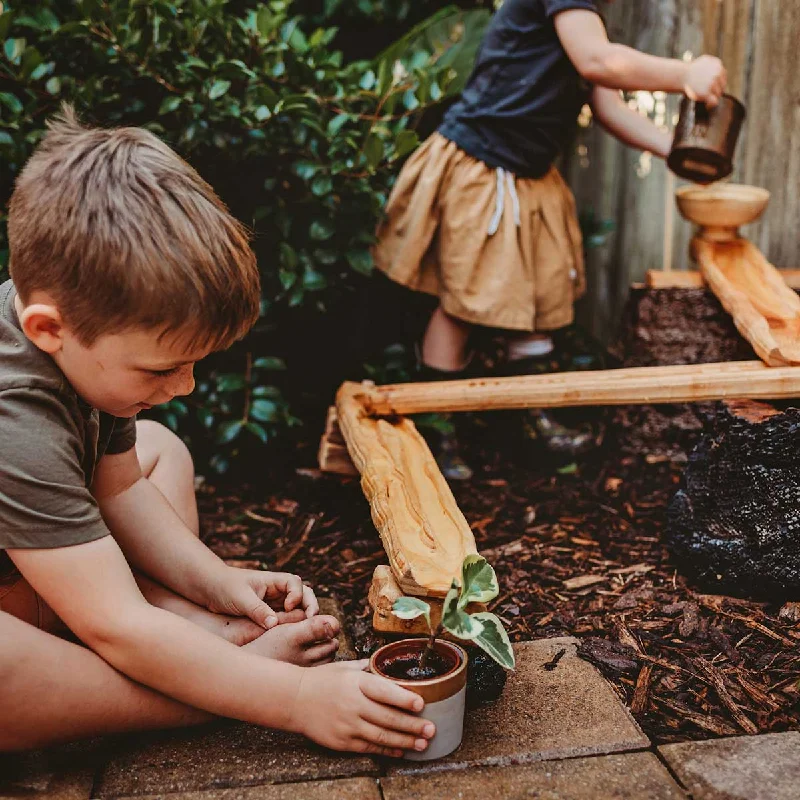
(478, 585)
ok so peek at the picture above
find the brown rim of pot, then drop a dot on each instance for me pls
(432, 689)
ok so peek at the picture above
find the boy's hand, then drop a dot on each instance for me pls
(246, 592)
(342, 707)
(706, 80)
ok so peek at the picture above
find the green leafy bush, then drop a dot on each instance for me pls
(301, 145)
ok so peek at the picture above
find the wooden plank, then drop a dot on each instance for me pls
(765, 310)
(632, 386)
(770, 156)
(422, 528)
(693, 279)
(336, 459)
(332, 455)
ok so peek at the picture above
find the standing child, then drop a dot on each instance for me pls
(481, 218)
(126, 270)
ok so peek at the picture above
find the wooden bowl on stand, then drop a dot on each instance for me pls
(720, 209)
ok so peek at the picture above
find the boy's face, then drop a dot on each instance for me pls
(125, 373)
(120, 373)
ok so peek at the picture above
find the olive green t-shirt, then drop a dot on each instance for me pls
(50, 443)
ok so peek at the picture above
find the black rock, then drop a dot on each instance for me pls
(486, 679)
(735, 523)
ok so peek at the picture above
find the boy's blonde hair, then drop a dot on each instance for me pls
(123, 234)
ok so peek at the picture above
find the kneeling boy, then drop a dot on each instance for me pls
(126, 270)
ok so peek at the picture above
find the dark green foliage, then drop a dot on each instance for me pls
(301, 144)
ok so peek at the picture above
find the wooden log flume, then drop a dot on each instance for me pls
(765, 310)
(631, 386)
(423, 531)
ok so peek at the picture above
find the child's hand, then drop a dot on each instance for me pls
(245, 592)
(342, 707)
(706, 80)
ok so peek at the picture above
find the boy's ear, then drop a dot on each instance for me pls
(43, 325)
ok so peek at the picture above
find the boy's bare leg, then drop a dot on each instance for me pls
(167, 463)
(53, 691)
(445, 342)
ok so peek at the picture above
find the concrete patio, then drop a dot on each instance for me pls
(556, 734)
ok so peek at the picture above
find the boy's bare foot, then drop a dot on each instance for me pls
(307, 644)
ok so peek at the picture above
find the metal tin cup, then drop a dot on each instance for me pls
(705, 139)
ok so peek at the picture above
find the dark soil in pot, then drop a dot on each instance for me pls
(407, 667)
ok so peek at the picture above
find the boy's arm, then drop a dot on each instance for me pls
(611, 111)
(584, 38)
(91, 588)
(155, 540)
(149, 532)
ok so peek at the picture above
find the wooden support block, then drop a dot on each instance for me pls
(333, 455)
(765, 310)
(422, 528)
(692, 279)
(383, 591)
(630, 386)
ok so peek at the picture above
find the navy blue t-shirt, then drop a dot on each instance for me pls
(524, 95)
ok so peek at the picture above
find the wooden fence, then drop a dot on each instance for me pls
(759, 41)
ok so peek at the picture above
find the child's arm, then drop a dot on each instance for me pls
(584, 38)
(91, 588)
(153, 539)
(611, 111)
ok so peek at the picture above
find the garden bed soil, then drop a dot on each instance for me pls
(578, 552)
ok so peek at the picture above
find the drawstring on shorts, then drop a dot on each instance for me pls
(504, 177)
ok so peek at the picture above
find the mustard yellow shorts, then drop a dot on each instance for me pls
(497, 250)
(18, 598)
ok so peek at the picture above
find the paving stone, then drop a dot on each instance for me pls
(62, 773)
(221, 756)
(543, 714)
(346, 652)
(351, 789)
(631, 776)
(763, 767)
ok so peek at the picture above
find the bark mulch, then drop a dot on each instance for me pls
(577, 552)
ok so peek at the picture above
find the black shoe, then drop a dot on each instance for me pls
(439, 430)
(567, 434)
(565, 442)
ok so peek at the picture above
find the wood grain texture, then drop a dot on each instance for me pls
(693, 279)
(384, 590)
(423, 531)
(630, 386)
(332, 455)
(765, 310)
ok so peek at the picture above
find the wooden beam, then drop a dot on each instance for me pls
(765, 310)
(422, 528)
(332, 455)
(692, 279)
(631, 386)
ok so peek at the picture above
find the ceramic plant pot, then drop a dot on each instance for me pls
(705, 139)
(444, 694)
